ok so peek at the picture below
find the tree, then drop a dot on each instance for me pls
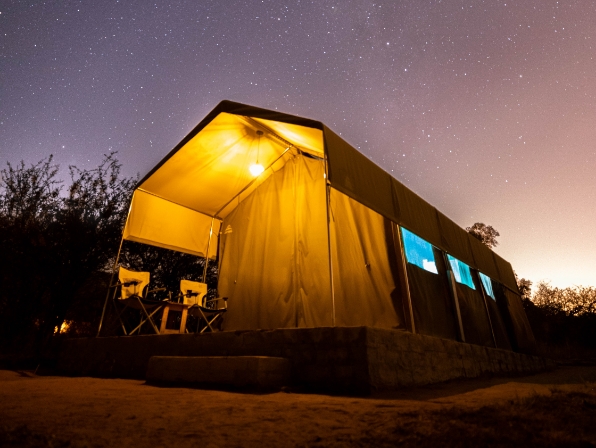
(524, 286)
(563, 316)
(485, 234)
(573, 301)
(52, 242)
(29, 201)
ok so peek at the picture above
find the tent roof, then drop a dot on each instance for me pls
(207, 173)
(209, 170)
(234, 108)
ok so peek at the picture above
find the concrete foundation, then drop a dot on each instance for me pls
(262, 372)
(340, 359)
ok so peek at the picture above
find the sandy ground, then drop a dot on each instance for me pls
(115, 412)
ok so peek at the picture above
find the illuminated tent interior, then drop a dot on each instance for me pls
(322, 236)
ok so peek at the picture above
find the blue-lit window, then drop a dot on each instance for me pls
(418, 251)
(488, 285)
(461, 272)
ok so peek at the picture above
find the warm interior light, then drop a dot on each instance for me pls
(256, 169)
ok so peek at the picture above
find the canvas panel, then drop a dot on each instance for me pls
(455, 240)
(356, 176)
(483, 258)
(157, 222)
(506, 275)
(365, 287)
(520, 331)
(432, 304)
(474, 316)
(305, 138)
(212, 168)
(273, 255)
(498, 325)
(416, 214)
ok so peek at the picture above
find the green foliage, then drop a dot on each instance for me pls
(574, 301)
(487, 235)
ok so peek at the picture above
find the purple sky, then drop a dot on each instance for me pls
(486, 109)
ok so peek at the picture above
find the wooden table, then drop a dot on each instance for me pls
(170, 327)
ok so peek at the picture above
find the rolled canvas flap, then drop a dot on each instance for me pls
(157, 222)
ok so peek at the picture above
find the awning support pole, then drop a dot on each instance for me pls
(207, 254)
(105, 304)
(114, 268)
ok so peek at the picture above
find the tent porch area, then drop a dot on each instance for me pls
(357, 360)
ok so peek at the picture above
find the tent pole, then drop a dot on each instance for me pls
(115, 266)
(207, 254)
(103, 312)
(405, 277)
(453, 287)
(331, 284)
(490, 321)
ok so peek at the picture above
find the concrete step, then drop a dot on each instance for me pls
(263, 372)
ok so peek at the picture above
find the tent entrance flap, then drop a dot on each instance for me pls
(158, 222)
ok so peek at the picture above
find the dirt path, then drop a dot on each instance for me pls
(114, 412)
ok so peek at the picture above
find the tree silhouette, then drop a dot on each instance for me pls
(53, 241)
(563, 316)
(484, 233)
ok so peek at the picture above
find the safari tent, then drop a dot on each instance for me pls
(308, 232)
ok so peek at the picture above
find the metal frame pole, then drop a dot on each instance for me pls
(111, 281)
(115, 265)
(453, 287)
(490, 321)
(405, 276)
(207, 254)
(327, 201)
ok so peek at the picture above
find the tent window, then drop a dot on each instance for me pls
(461, 272)
(488, 285)
(418, 251)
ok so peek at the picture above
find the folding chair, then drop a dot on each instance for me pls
(195, 295)
(133, 294)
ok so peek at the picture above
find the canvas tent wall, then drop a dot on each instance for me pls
(313, 241)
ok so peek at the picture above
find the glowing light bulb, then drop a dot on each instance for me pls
(256, 169)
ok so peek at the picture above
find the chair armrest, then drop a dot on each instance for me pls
(156, 290)
(225, 299)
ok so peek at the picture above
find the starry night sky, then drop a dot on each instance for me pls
(487, 109)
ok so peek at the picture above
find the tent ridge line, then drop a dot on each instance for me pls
(178, 204)
(274, 134)
(252, 182)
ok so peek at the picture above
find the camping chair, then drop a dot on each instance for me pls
(195, 295)
(133, 294)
